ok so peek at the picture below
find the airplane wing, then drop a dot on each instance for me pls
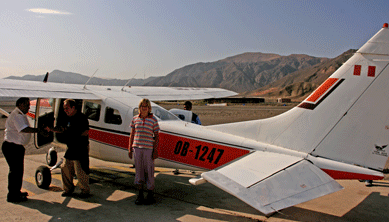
(155, 93)
(271, 181)
(20, 88)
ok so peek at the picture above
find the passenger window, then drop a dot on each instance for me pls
(112, 116)
(92, 110)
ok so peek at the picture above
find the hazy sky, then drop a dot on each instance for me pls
(153, 38)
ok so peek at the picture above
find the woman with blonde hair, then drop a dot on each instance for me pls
(144, 146)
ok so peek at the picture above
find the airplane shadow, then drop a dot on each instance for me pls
(113, 198)
(114, 194)
(372, 208)
(380, 184)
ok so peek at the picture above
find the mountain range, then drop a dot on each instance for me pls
(250, 74)
(75, 78)
(240, 73)
(301, 83)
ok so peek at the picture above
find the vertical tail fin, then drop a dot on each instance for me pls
(362, 134)
(345, 119)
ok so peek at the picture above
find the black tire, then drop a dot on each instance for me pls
(51, 157)
(43, 177)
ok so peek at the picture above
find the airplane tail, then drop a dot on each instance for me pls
(345, 119)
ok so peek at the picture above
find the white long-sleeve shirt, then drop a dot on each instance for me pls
(16, 122)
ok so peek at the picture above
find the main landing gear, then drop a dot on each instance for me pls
(43, 173)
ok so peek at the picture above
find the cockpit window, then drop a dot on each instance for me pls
(162, 113)
(92, 110)
(112, 116)
(159, 112)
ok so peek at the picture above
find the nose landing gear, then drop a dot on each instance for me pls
(43, 173)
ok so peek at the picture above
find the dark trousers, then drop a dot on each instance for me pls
(14, 155)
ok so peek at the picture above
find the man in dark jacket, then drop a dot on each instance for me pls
(195, 117)
(75, 131)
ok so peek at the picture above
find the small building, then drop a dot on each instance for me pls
(284, 100)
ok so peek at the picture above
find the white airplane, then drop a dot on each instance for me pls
(340, 131)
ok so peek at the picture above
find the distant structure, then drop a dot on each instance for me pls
(236, 100)
(284, 100)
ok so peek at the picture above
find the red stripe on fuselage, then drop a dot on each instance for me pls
(350, 176)
(112, 139)
(197, 153)
(179, 149)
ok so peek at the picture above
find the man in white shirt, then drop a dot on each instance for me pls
(17, 134)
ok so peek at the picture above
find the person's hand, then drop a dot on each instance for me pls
(44, 132)
(155, 154)
(130, 152)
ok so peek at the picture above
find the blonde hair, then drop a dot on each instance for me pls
(147, 103)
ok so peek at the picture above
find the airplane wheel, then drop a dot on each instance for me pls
(51, 157)
(43, 177)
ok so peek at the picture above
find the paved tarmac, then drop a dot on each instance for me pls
(177, 200)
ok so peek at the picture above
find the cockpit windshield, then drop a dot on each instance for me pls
(162, 113)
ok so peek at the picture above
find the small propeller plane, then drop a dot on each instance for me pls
(340, 131)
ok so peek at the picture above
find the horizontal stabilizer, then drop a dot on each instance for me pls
(270, 183)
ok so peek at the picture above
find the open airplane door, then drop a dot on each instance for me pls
(44, 116)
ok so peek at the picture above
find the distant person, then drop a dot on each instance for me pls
(17, 134)
(75, 131)
(195, 117)
(144, 146)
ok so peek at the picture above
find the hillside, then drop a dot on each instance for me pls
(240, 73)
(301, 83)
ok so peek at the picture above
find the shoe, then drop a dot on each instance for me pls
(17, 199)
(84, 195)
(140, 199)
(68, 194)
(150, 198)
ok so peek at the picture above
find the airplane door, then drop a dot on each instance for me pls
(44, 116)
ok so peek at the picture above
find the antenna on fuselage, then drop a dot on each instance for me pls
(90, 78)
(46, 77)
(129, 81)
